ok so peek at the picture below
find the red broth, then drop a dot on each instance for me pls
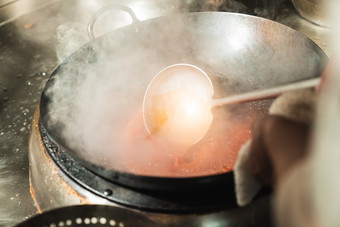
(216, 153)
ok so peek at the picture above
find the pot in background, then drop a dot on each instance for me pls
(313, 10)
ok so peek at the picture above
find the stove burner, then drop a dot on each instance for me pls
(159, 201)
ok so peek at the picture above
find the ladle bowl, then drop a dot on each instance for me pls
(177, 104)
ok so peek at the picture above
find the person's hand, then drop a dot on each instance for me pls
(277, 145)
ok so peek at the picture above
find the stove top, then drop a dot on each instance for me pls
(27, 58)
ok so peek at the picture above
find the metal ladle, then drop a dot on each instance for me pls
(200, 87)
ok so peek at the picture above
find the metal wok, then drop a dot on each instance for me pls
(88, 215)
(239, 52)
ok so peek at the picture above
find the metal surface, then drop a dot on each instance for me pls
(48, 183)
(24, 66)
(256, 60)
(90, 215)
(27, 56)
(313, 10)
(13, 9)
(287, 15)
(95, 17)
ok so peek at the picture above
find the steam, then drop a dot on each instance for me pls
(96, 98)
(91, 105)
(72, 35)
(74, 31)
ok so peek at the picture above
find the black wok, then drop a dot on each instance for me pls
(239, 52)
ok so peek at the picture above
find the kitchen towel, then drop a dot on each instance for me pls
(297, 106)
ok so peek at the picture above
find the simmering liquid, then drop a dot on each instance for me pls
(215, 153)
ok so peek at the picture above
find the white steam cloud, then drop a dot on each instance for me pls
(96, 100)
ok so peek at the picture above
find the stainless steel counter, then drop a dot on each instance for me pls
(27, 57)
(24, 66)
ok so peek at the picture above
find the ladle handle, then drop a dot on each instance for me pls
(265, 93)
(107, 8)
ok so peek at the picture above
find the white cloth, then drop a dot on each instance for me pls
(298, 106)
(246, 185)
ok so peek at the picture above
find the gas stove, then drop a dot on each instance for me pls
(27, 56)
